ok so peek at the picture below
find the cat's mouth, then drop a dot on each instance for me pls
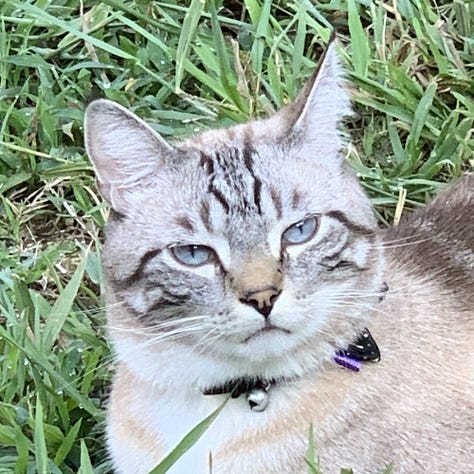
(267, 328)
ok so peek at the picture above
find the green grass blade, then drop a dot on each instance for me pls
(67, 443)
(313, 463)
(41, 451)
(37, 12)
(186, 38)
(37, 358)
(388, 469)
(22, 445)
(228, 80)
(61, 308)
(262, 20)
(420, 119)
(299, 44)
(146, 34)
(359, 42)
(188, 441)
(86, 465)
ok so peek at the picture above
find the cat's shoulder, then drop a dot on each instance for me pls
(438, 240)
(449, 216)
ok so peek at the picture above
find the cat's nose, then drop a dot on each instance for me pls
(262, 300)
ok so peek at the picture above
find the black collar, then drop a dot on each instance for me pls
(363, 349)
(237, 387)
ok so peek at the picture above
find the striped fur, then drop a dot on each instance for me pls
(263, 308)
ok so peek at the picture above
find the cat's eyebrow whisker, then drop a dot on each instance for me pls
(408, 238)
(208, 347)
(336, 303)
(386, 245)
(417, 280)
(108, 361)
(336, 306)
(370, 308)
(353, 295)
(180, 330)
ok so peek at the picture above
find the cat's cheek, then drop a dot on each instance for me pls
(294, 317)
(144, 299)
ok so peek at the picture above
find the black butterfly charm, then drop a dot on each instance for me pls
(363, 349)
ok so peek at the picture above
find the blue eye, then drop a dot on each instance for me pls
(300, 232)
(192, 255)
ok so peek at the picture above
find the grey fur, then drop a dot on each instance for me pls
(263, 309)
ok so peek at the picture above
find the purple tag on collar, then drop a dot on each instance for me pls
(348, 362)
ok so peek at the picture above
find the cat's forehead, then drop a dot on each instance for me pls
(253, 133)
(253, 153)
(231, 183)
(253, 162)
(236, 182)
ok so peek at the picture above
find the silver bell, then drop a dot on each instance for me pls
(258, 398)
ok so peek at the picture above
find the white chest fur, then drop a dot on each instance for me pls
(168, 415)
(186, 410)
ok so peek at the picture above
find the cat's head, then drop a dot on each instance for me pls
(251, 246)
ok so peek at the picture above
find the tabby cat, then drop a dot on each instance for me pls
(247, 261)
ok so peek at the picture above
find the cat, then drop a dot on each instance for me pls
(248, 261)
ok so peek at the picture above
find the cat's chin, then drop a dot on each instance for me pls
(268, 330)
(271, 354)
(266, 347)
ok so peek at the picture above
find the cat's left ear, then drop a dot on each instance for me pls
(124, 150)
(318, 111)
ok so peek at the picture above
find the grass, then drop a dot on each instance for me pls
(184, 67)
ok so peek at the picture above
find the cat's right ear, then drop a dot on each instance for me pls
(123, 149)
(316, 115)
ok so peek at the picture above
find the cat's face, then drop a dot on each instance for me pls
(253, 244)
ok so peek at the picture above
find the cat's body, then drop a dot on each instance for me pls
(253, 253)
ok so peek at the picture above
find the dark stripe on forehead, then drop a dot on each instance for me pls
(207, 163)
(257, 194)
(352, 226)
(219, 196)
(247, 153)
(276, 199)
(185, 223)
(296, 199)
(205, 216)
(138, 274)
(230, 132)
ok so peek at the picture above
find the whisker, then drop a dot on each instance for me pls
(403, 239)
(157, 328)
(385, 245)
